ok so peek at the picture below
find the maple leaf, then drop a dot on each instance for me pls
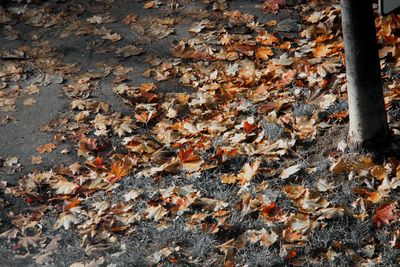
(27, 241)
(266, 238)
(36, 160)
(53, 245)
(64, 187)
(67, 220)
(46, 148)
(286, 173)
(182, 51)
(248, 127)
(188, 155)
(156, 213)
(386, 214)
(264, 52)
(129, 19)
(97, 163)
(118, 170)
(144, 117)
(132, 194)
(273, 5)
(248, 172)
(74, 203)
(271, 211)
(149, 5)
(12, 233)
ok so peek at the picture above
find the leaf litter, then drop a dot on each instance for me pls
(223, 174)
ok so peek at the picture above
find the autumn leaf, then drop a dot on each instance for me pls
(273, 5)
(248, 127)
(386, 214)
(29, 241)
(156, 213)
(97, 163)
(118, 170)
(321, 51)
(129, 19)
(64, 187)
(36, 160)
(248, 172)
(264, 52)
(227, 178)
(46, 148)
(379, 172)
(149, 5)
(144, 117)
(66, 220)
(188, 155)
(74, 203)
(271, 211)
(288, 172)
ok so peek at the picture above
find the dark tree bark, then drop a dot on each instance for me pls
(368, 122)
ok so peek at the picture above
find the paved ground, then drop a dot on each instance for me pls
(22, 136)
(31, 119)
(187, 133)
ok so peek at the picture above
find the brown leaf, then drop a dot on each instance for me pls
(264, 52)
(36, 160)
(385, 214)
(46, 148)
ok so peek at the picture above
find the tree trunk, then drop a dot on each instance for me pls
(368, 123)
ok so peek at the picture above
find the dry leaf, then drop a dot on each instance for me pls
(46, 148)
(36, 160)
(286, 173)
(156, 213)
(386, 214)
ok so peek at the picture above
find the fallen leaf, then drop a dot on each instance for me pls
(264, 52)
(29, 102)
(286, 173)
(63, 187)
(36, 160)
(248, 172)
(10, 161)
(385, 214)
(66, 220)
(46, 148)
(156, 213)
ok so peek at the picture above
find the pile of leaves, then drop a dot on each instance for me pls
(247, 166)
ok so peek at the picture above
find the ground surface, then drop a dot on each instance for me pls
(187, 133)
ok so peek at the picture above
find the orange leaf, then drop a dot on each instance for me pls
(118, 170)
(149, 5)
(46, 148)
(74, 203)
(97, 163)
(248, 127)
(188, 53)
(147, 87)
(129, 19)
(188, 155)
(271, 211)
(385, 214)
(321, 51)
(144, 117)
(264, 52)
